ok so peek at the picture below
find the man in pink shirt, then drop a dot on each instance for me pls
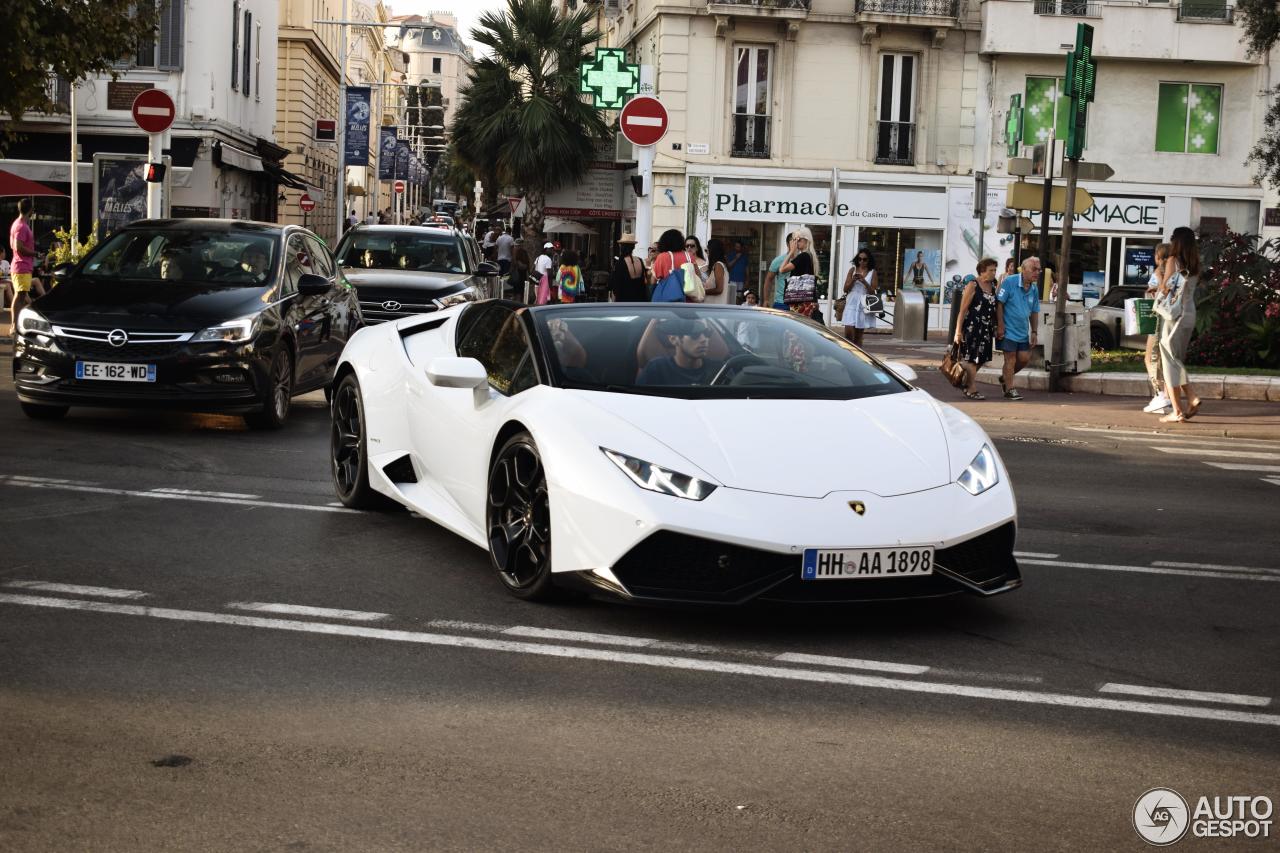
(23, 244)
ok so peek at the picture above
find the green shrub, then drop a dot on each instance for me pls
(1238, 303)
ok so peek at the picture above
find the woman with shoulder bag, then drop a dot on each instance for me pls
(975, 325)
(801, 288)
(717, 275)
(1176, 306)
(667, 266)
(858, 285)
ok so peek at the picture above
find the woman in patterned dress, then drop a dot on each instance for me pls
(976, 324)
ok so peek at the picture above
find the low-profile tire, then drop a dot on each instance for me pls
(279, 395)
(38, 412)
(518, 521)
(349, 449)
(1100, 337)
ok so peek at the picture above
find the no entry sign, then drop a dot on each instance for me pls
(153, 110)
(643, 120)
(307, 203)
(398, 186)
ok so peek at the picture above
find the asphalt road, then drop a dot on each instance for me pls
(155, 712)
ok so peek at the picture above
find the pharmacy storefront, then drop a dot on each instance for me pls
(901, 225)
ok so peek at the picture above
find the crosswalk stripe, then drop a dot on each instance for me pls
(1233, 454)
(1239, 466)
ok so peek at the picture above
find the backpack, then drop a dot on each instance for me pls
(671, 287)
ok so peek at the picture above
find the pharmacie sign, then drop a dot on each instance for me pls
(800, 203)
(1113, 214)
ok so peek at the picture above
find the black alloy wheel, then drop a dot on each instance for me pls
(38, 412)
(348, 449)
(518, 519)
(1100, 337)
(279, 396)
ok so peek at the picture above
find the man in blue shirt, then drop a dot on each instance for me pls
(737, 264)
(1017, 319)
(775, 281)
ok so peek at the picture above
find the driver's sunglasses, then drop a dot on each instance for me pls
(698, 331)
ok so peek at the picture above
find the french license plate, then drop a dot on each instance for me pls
(115, 372)
(839, 564)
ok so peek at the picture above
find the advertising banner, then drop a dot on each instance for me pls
(963, 250)
(403, 156)
(120, 191)
(386, 153)
(1139, 263)
(356, 147)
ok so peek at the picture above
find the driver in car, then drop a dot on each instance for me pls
(254, 261)
(440, 261)
(689, 365)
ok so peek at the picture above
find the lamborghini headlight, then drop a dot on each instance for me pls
(664, 481)
(982, 472)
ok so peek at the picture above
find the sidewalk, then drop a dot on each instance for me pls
(1231, 417)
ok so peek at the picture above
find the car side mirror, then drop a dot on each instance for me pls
(903, 371)
(488, 268)
(455, 372)
(62, 272)
(311, 284)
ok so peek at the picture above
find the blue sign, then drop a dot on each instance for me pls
(356, 146)
(402, 159)
(386, 153)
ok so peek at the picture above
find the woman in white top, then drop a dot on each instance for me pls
(859, 284)
(717, 281)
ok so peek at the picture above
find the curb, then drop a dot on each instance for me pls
(1209, 386)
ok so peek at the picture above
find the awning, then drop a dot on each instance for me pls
(284, 176)
(565, 226)
(15, 185)
(229, 155)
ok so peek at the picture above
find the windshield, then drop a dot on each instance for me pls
(433, 251)
(705, 352)
(200, 255)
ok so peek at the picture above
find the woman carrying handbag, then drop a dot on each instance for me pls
(976, 324)
(1176, 306)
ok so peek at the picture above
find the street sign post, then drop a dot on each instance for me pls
(1021, 195)
(154, 112)
(1095, 172)
(979, 209)
(644, 122)
(398, 186)
(608, 78)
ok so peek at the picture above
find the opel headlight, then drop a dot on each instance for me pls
(664, 481)
(234, 332)
(467, 295)
(33, 322)
(981, 474)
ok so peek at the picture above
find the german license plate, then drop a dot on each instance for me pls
(840, 564)
(115, 372)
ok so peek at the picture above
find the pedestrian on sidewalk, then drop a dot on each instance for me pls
(23, 245)
(858, 285)
(1176, 306)
(737, 264)
(976, 324)
(1159, 400)
(775, 281)
(1017, 322)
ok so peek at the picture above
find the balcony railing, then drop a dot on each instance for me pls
(1217, 13)
(750, 136)
(934, 8)
(895, 143)
(767, 4)
(1068, 8)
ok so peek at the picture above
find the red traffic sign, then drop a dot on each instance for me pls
(153, 110)
(643, 120)
(398, 186)
(307, 203)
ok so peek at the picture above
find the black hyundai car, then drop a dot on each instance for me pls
(197, 314)
(399, 270)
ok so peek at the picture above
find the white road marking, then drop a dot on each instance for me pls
(132, 493)
(207, 494)
(1169, 564)
(847, 679)
(1275, 481)
(53, 480)
(578, 636)
(1246, 466)
(1166, 436)
(1254, 444)
(77, 589)
(1188, 695)
(852, 663)
(1152, 570)
(1035, 554)
(455, 625)
(304, 610)
(1234, 454)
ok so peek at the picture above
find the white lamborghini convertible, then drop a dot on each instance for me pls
(672, 452)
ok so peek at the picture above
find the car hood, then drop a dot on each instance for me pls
(156, 305)
(440, 283)
(890, 445)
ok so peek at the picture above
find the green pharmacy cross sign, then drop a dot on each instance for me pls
(1013, 127)
(608, 78)
(1082, 74)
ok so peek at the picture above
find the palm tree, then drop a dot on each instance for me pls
(521, 116)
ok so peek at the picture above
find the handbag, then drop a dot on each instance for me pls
(951, 367)
(671, 287)
(800, 288)
(694, 290)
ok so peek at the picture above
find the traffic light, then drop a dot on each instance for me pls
(637, 184)
(155, 173)
(1082, 72)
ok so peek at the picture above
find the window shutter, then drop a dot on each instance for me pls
(248, 50)
(235, 45)
(171, 33)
